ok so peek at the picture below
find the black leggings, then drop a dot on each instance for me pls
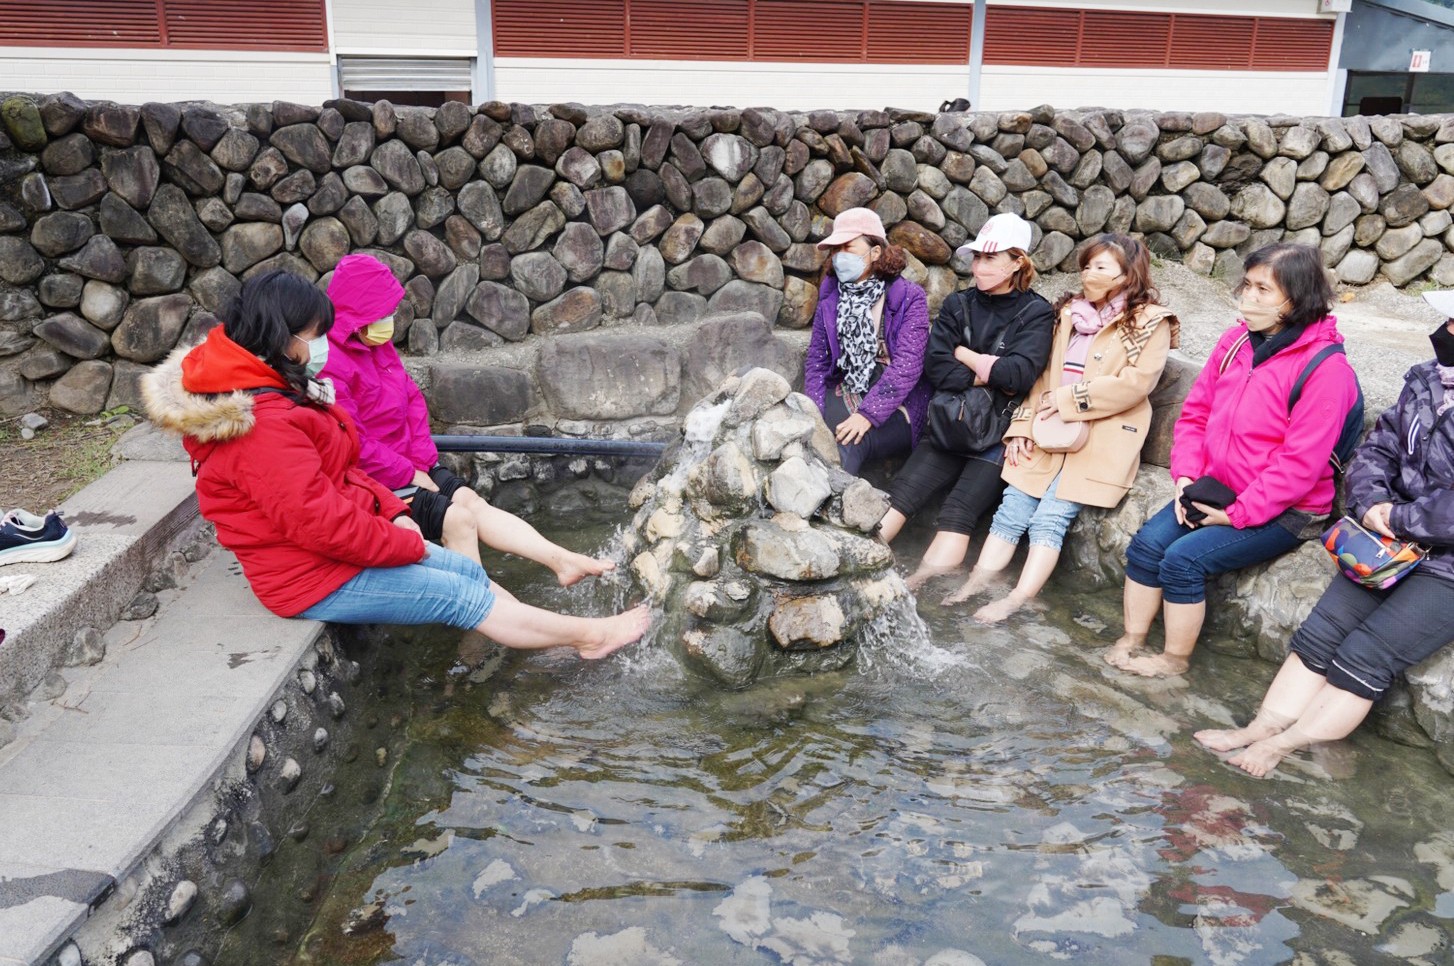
(1362, 640)
(893, 438)
(976, 486)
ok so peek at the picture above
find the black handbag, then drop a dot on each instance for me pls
(977, 418)
(970, 421)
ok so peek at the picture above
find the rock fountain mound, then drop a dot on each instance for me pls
(757, 548)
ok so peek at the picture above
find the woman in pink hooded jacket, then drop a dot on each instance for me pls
(372, 385)
(1252, 471)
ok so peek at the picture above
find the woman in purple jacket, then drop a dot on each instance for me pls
(1356, 642)
(865, 362)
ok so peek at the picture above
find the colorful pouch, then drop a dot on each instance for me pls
(1370, 559)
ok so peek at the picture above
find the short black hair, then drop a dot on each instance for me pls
(1299, 272)
(270, 309)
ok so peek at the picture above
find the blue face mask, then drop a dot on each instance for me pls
(317, 354)
(848, 266)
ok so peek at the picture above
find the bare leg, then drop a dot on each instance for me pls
(994, 557)
(1139, 606)
(1039, 565)
(1183, 624)
(946, 552)
(508, 533)
(1287, 698)
(522, 626)
(891, 524)
(459, 533)
(1333, 715)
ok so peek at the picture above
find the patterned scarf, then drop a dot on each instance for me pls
(857, 338)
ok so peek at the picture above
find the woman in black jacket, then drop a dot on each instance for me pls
(1357, 641)
(996, 335)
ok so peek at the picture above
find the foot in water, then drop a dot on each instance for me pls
(1260, 757)
(1155, 665)
(976, 583)
(923, 575)
(1230, 739)
(996, 612)
(1126, 647)
(575, 567)
(614, 633)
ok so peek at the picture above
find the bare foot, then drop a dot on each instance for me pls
(1000, 609)
(1124, 648)
(575, 567)
(1260, 757)
(614, 633)
(1155, 665)
(1229, 739)
(976, 583)
(923, 575)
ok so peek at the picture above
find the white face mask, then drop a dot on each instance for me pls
(849, 267)
(317, 354)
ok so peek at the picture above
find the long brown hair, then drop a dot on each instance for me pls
(1135, 262)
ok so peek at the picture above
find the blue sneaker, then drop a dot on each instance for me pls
(27, 538)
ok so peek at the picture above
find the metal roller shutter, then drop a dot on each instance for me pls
(405, 73)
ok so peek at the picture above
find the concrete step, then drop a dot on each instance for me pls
(96, 778)
(125, 523)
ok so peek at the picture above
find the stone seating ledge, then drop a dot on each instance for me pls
(95, 779)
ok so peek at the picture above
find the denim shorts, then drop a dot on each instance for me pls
(1047, 518)
(443, 588)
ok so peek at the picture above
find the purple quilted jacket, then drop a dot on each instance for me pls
(905, 330)
(1408, 460)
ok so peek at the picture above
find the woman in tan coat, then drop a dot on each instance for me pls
(1077, 439)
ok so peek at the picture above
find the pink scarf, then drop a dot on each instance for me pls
(1089, 320)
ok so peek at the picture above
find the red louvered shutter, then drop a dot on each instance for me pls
(62, 23)
(1283, 43)
(715, 30)
(560, 28)
(808, 30)
(918, 33)
(1031, 36)
(247, 24)
(1118, 39)
(1204, 42)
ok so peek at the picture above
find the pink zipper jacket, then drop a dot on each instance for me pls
(370, 381)
(1235, 426)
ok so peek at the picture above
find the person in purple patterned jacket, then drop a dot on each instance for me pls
(1357, 641)
(865, 362)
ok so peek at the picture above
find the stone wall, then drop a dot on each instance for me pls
(124, 229)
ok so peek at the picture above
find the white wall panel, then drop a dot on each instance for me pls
(1231, 92)
(136, 76)
(438, 27)
(1230, 8)
(786, 86)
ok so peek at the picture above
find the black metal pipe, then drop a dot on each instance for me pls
(549, 445)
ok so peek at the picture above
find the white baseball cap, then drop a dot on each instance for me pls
(1443, 301)
(1000, 232)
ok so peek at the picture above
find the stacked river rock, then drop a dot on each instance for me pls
(755, 547)
(123, 230)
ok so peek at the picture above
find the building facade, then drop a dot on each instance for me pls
(1255, 56)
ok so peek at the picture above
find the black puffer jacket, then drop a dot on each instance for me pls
(1026, 350)
(1408, 460)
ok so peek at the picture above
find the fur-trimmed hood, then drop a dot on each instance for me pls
(201, 417)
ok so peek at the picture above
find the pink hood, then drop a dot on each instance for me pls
(1235, 425)
(371, 381)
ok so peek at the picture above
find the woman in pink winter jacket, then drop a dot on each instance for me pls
(1253, 477)
(371, 383)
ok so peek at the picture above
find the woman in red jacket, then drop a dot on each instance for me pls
(277, 475)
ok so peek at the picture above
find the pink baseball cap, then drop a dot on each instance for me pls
(1000, 233)
(852, 223)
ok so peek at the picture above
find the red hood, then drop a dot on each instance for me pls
(221, 365)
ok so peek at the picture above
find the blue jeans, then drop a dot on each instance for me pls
(443, 588)
(1047, 518)
(1179, 559)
